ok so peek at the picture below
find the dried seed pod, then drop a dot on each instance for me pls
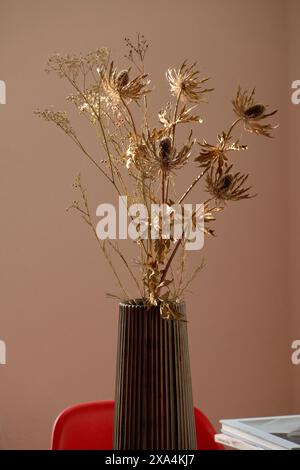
(122, 78)
(225, 182)
(255, 111)
(165, 147)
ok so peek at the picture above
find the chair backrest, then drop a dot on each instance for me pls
(89, 426)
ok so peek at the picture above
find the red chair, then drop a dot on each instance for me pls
(89, 426)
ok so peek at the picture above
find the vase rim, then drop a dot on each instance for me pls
(141, 303)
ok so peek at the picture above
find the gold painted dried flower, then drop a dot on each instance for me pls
(119, 85)
(138, 48)
(226, 186)
(165, 149)
(186, 84)
(59, 118)
(149, 156)
(218, 154)
(200, 219)
(162, 157)
(122, 79)
(96, 105)
(252, 113)
(137, 156)
(169, 311)
(208, 217)
(88, 102)
(185, 116)
(72, 65)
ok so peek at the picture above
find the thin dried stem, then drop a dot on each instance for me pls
(186, 193)
(117, 250)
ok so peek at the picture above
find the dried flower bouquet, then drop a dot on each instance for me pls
(142, 161)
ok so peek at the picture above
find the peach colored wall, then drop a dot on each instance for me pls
(294, 142)
(59, 327)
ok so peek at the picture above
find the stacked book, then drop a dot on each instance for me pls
(276, 433)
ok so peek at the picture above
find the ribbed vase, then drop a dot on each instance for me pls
(154, 407)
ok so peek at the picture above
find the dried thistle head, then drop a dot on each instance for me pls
(218, 154)
(163, 157)
(186, 83)
(226, 186)
(165, 148)
(252, 113)
(122, 79)
(120, 87)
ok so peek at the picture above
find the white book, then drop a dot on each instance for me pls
(234, 443)
(250, 439)
(274, 433)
